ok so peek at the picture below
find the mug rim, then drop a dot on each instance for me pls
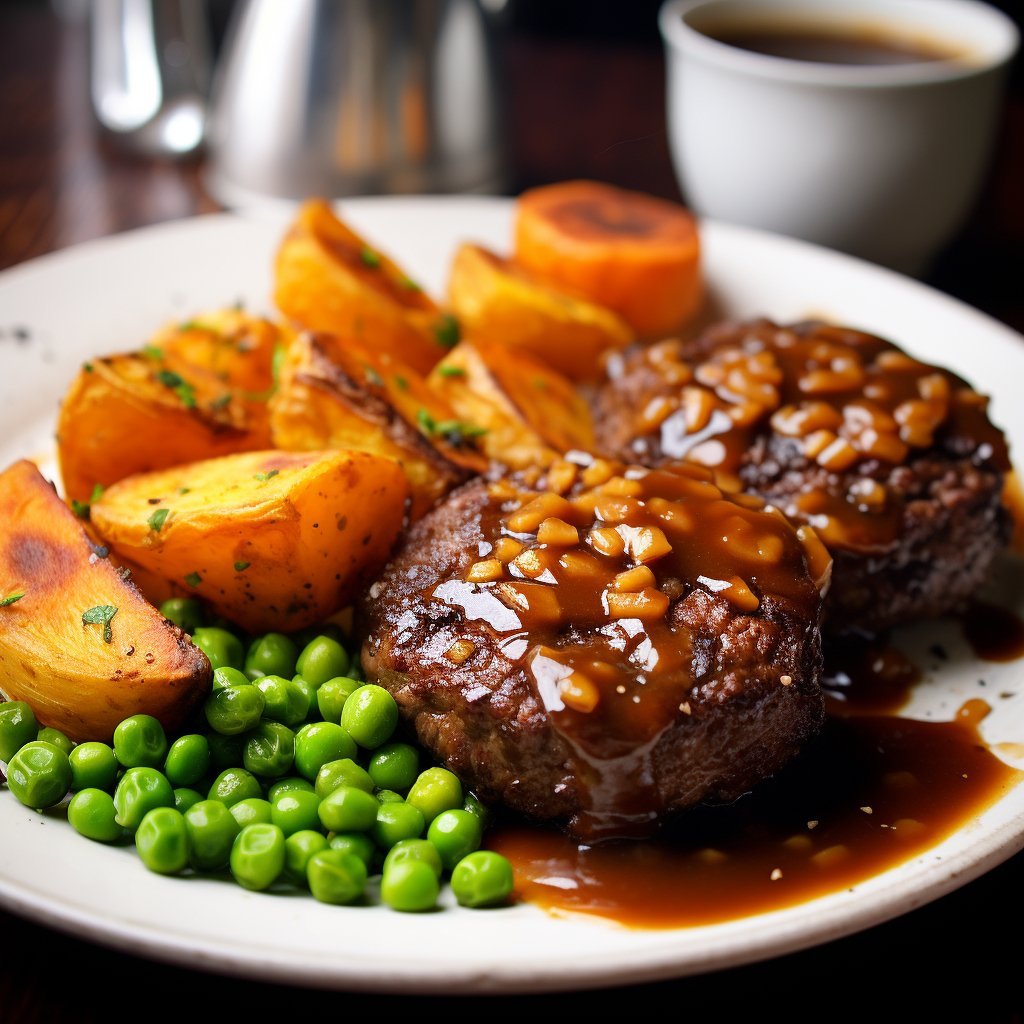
(683, 39)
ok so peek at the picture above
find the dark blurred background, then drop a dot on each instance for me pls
(584, 97)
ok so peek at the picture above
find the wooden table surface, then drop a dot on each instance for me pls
(574, 109)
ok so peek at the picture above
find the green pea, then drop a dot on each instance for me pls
(188, 760)
(18, 726)
(331, 697)
(358, 843)
(414, 849)
(257, 856)
(162, 841)
(295, 812)
(222, 647)
(139, 792)
(370, 716)
(304, 637)
(140, 742)
(253, 810)
(185, 612)
(348, 809)
(292, 784)
(336, 877)
(228, 676)
(395, 822)
(234, 709)
(225, 751)
(283, 701)
(56, 737)
(317, 744)
(389, 796)
(482, 879)
(269, 750)
(234, 784)
(93, 766)
(39, 774)
(344, 772)
(410, 885)
(299, 847)
(271, 655)
(321, 659)
(435, 790)
(185, 798)
(455, 833)
(211, 831)
(474, 806)
(394, 766)
(91, 813)
(309, 692)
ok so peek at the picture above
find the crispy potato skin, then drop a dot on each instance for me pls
(325, 281)
(634, 253)
(531, 413)
(499, 301)
(272, 540)
(64, 669)
(345, 396)
(119, 418)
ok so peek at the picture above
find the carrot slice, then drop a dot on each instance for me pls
(630, 252)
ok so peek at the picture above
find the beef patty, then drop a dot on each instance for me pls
(604, 646)
(893, 461)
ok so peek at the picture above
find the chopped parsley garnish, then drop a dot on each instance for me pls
(191, 325)
(152, 352)
(373, 376)
(401, 383)
(451, 371)
(11, 598)
(221, 401)
(156, 521)
(447, 332)
(83, 509)
(179, 386)
(101, 615)
(455, 432)
(87, 367)
(184, 490)
(410, 285)
(263, 477)
(193, 579)
(370, 258)
(242, 566)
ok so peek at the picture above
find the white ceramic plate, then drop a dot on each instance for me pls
(110, 295)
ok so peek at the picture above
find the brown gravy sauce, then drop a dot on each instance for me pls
(868, 794)
(994, 633)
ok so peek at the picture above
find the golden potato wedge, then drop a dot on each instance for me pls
(495, 299)
(133, 413)
(271, 540)
(329, 279)
(531, 413)
(81, 645)
(230, 344)
(335, 396)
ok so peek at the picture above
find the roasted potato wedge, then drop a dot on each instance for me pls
(81, 645)
(531, 413)
(495, 299)
(128, 414)
(329, 279)
(271, 540)
(344, 396)
(231, 345)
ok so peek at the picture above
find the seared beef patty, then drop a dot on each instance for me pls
(604, 646)
(894, 462)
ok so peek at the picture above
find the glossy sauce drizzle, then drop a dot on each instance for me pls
(868, 794)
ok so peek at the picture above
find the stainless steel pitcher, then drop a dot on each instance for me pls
(342, 97)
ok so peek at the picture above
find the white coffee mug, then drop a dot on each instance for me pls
(883, 161)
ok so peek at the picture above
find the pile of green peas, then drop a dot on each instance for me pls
(291, 776)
